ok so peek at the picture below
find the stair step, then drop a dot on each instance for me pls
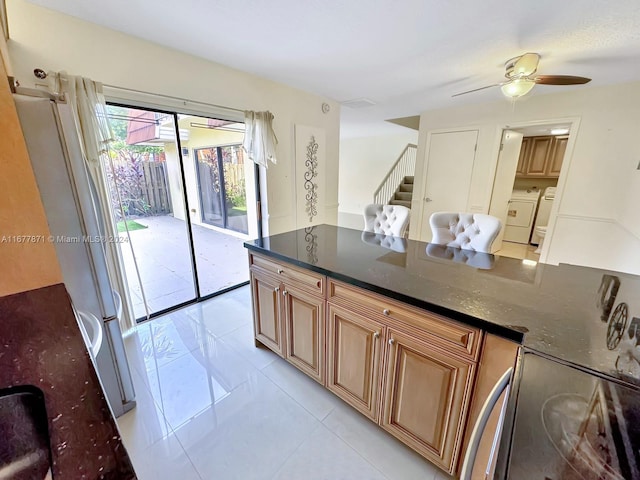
(408, 179)
(403, 196)
(404, 203)
(406, 187)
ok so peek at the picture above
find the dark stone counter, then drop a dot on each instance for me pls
(50, 395)
(560, 311)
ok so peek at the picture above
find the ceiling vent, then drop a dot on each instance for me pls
(358, 103)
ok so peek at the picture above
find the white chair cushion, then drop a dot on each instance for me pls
(386, 219)
(469, 231)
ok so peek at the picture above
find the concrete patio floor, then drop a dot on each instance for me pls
(164, 260)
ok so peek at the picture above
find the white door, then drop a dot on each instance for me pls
(503, 182)
(448, 175)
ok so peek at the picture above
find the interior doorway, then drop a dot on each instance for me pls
(525, 186)
(184, 201)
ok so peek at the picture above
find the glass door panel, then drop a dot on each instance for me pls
(144, 175)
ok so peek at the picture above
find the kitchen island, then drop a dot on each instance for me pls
(429, 305)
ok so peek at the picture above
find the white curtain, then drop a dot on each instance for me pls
(87, 102)
(259, 138)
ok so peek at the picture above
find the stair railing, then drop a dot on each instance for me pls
(404, 166)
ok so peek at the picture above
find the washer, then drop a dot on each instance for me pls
(544, 211)
(520, 215)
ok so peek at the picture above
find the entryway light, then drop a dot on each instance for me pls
(559, 131)
(517, 87)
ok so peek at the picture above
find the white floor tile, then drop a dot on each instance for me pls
(191, 383)
(248, 435)
(242, 341)
(310, 394)
(392, 458)
(323, 456)
(223, 314)
(165, 460)
(165, 339)
(145, 424)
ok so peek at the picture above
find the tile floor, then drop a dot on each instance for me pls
(518, 250)
(212, 406)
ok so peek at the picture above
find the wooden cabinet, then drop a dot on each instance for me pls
(426, 397)
(542, 156)
(289, 313)
(267, 321)
(354, 354)
(410, 371)
(304, 323)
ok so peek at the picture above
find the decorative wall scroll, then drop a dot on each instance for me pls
(310, 174)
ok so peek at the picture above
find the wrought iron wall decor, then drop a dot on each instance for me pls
(311, 187)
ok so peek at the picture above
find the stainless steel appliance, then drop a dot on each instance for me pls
(570, 424)
(75, 221)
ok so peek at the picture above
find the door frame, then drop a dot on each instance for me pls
(574, 128)
(174, 111)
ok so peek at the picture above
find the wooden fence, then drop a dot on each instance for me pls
(155, 188)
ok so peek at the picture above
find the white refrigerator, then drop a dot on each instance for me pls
(74, 212)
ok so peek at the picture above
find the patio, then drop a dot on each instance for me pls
(164, 260)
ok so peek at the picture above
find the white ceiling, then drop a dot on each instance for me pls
(406, 55)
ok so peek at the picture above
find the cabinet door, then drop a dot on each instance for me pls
(266, 311)
(305, 331)
(525, 150)
(354, 351)
(557, 155)
(540, 149)
(426, 398)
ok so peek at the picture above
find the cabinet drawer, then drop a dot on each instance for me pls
(305, 279)
(456, 337)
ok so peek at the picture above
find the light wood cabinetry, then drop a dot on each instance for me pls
(541, 156)
(289, 313)
(354, 354)
(426, 397)
(409, 370)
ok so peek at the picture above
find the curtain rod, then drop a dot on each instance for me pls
(184, 100)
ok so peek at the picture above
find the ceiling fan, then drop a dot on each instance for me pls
(520, 71)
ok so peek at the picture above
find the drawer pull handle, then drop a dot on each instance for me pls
(376, 335)
(392, 341)
(280, 271)
(285, 293)
(319, 283)
(386, 312)
(277, 289)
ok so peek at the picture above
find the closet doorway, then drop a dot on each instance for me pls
(184, 199)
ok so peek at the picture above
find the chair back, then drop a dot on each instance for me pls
(468, 231)
(386, 219)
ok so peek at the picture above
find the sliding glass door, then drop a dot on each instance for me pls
(179, 195)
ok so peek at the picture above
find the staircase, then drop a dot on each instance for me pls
(397, 186)
(404, 193)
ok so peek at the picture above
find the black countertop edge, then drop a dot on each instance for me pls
(492, 328)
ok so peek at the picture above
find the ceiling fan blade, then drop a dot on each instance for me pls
(477, 89)
(560, 80)
(526, 65)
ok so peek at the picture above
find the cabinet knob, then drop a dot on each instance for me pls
(392, 341)
(386, 312)
(285, 293)
(277, 289)
(376, 335)
(280, 271)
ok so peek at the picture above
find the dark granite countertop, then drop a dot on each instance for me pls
(559, 311)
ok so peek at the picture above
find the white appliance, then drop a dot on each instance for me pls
(520, 215)
(544, 211)
(73, 211)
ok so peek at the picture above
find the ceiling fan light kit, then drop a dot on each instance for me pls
(520, 73)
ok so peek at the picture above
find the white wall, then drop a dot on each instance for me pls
(49, 40)
(364, 162)
(600, 196)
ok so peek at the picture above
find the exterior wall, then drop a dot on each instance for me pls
(364, 162)
(25, 265)
(53, 41)
(598, 197)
